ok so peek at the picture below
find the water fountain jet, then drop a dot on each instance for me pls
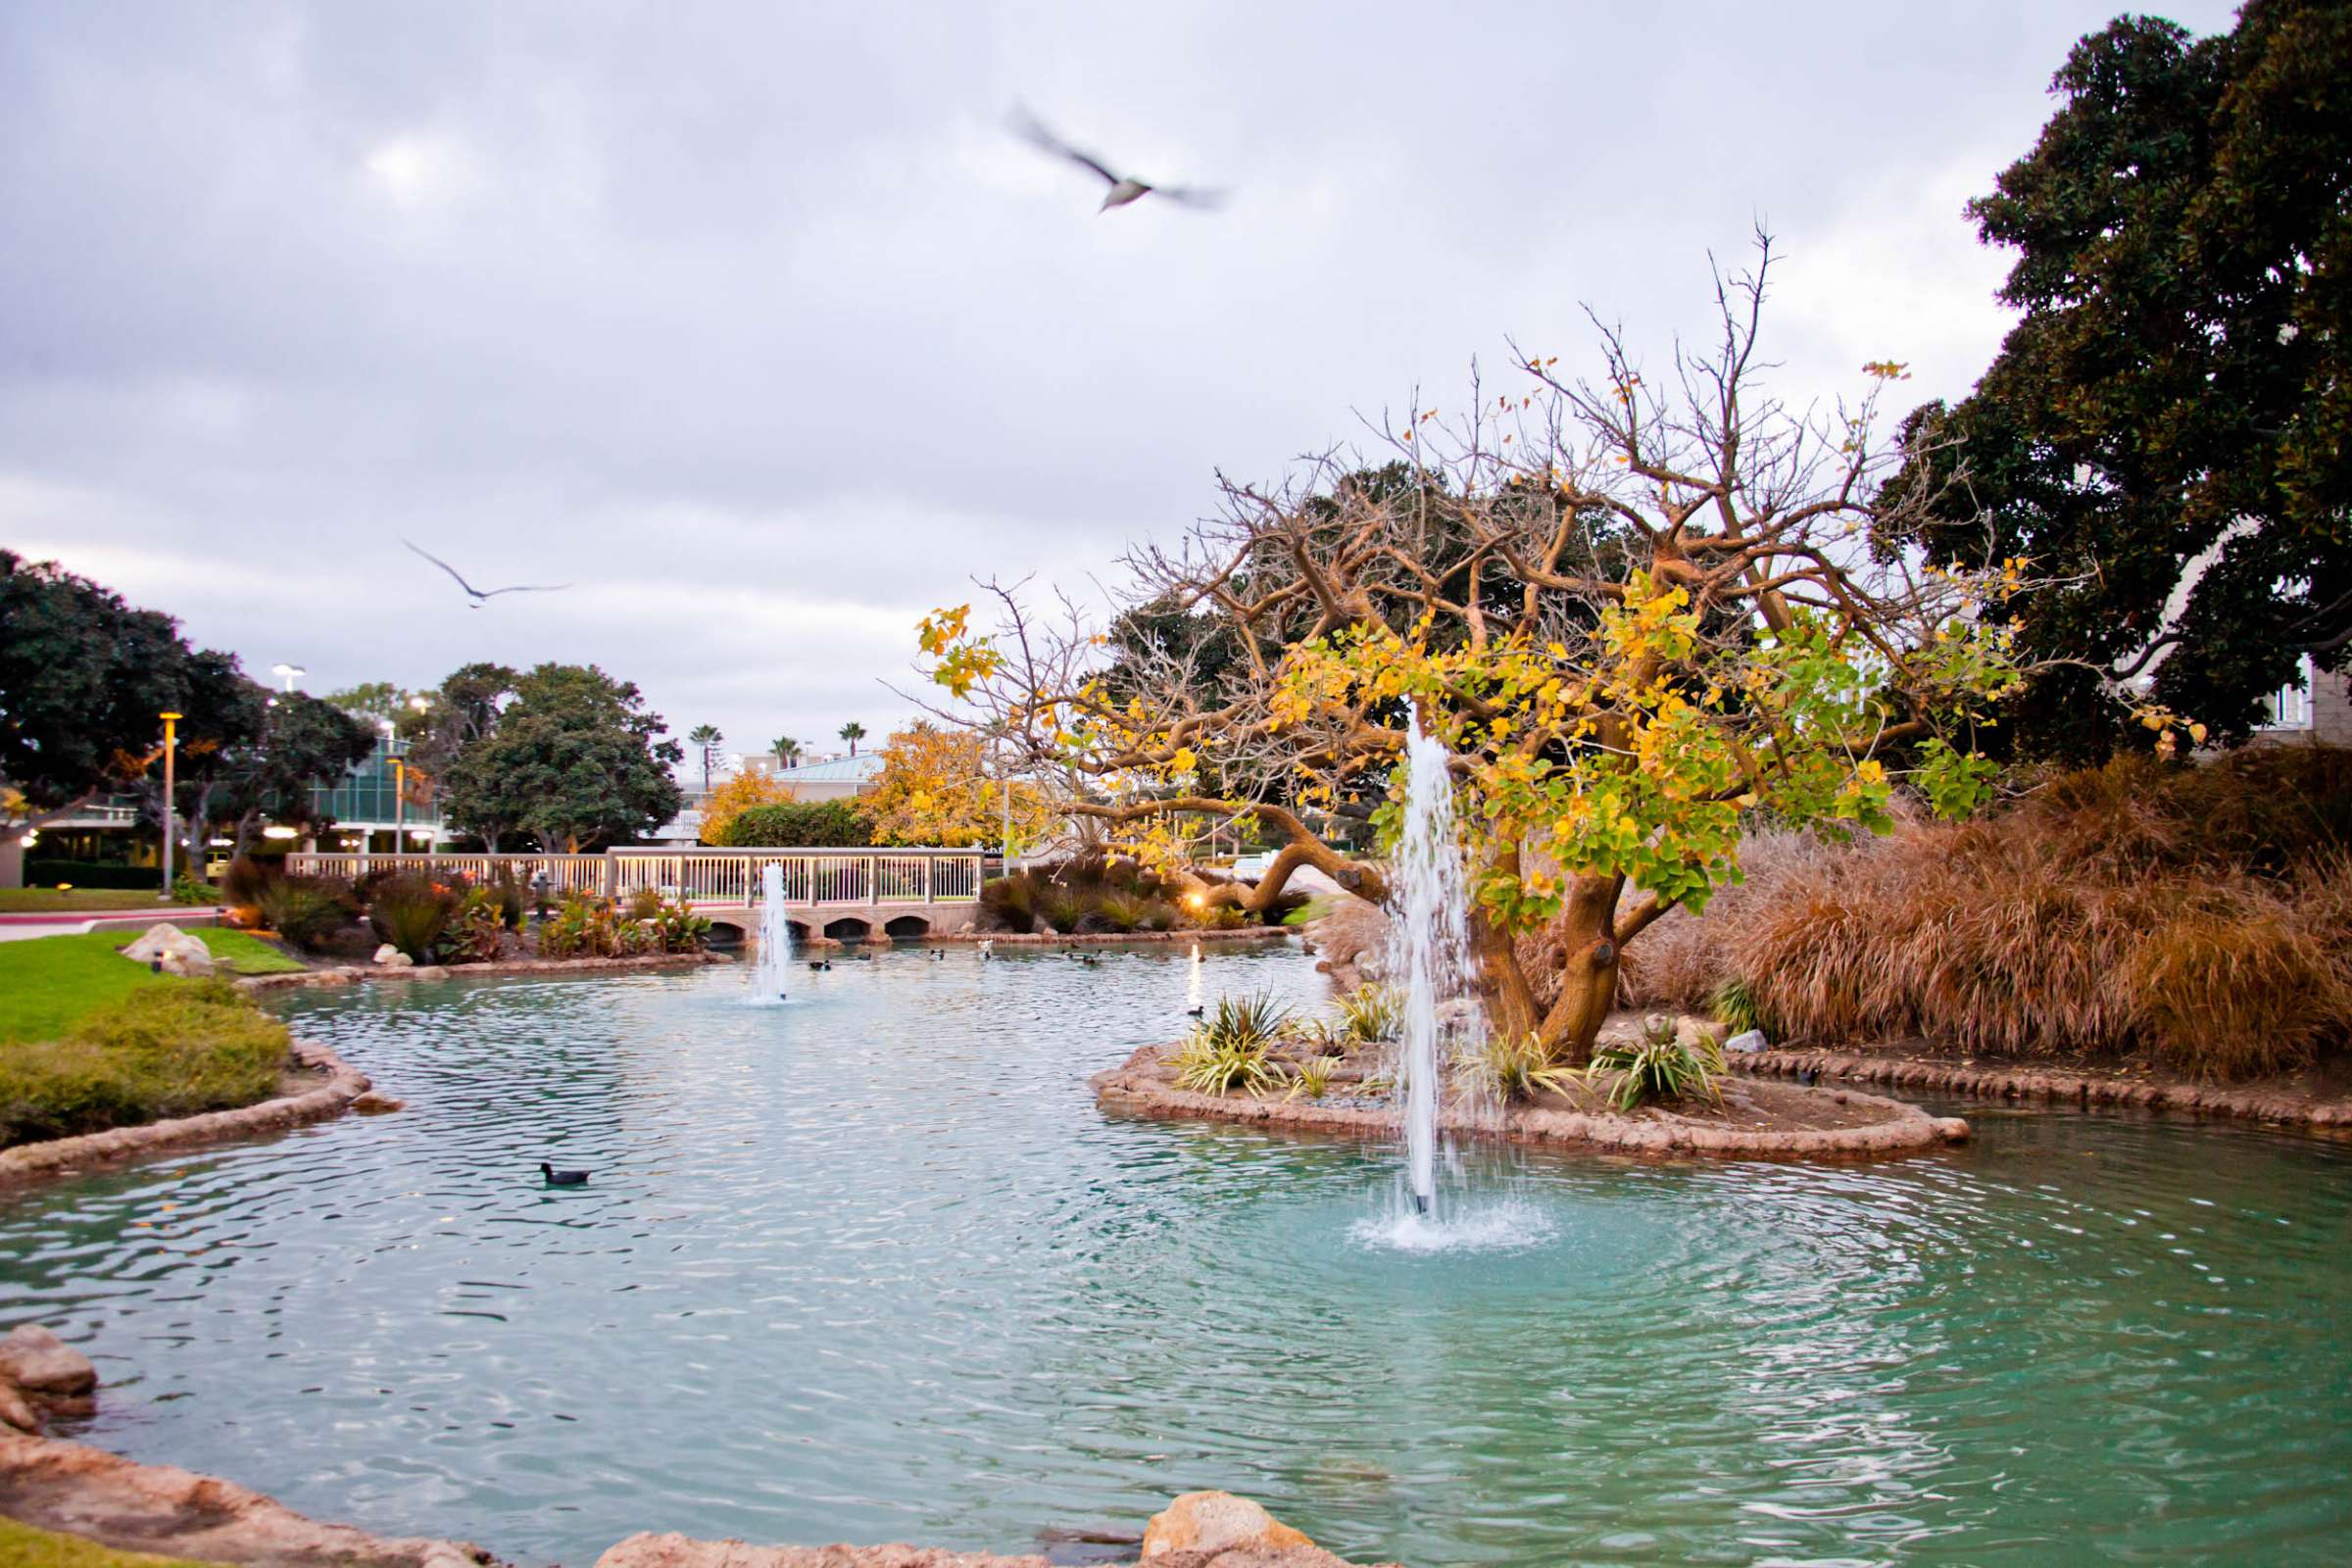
(774, 939)
(1428, 947)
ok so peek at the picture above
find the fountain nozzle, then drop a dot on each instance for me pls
(1420, 1205)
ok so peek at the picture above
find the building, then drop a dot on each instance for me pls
(2316, 707)
(823, 778)
(363, 805)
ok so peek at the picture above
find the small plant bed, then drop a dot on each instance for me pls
(405, 921)
(1650, 1090)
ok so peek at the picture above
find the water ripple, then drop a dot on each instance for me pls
(872, 1266)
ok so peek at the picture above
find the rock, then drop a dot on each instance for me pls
(39, 1363)
(391, 957)
(372, 1103)
(16, 1411)
(174, 949)
(1214, 1522)
(1747, 1043)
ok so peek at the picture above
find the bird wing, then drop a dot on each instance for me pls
(1032, 130)
(1205, 198)
(446, 566)
(529, 588)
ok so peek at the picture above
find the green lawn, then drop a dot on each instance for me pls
(48, 982)
(22, 1547)
(41, 901)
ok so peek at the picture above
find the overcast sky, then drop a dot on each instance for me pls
(754, 323)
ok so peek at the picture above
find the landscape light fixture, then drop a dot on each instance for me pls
(278, 830)
(289, 673)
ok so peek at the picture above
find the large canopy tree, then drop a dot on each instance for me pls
(82, 677)
(1632, 611)
(2164, 433)
(572, 756)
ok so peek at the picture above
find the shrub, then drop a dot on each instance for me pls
(676, 928)
(412, 913)
(2233, 997)
(473, 930)
(513, 898)
(1658, 1066)
(187, 889)
(242, 883)
(580, 928)
(171, 1049)
(1009, 902)
(800, 824)
(305, 910)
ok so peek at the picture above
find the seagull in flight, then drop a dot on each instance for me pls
(480, 596)
(1124, 188)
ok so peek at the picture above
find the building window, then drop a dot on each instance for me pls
(2289, 707)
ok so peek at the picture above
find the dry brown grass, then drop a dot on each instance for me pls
(2204, 915)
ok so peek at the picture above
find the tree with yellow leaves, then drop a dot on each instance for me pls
(1632, 614)
(936, 788)
(732, 797)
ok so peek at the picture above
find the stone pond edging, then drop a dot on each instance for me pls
(352, 974)
(52, 1484)
(1141, 1085)
(58, 1157)
(2051, 1085)
(1111, 939)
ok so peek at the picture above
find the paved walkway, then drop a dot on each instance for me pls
(74, 923)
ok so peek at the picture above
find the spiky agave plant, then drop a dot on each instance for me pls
(1508, 1067)
(1372, 1013)
(1232, 1046)
(1313, 1077)
(1659, 1066)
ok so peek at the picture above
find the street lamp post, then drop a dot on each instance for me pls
(171, 784)
(400, 806)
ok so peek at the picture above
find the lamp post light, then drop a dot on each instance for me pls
(171, 784)
(399, 806)
(289, 673)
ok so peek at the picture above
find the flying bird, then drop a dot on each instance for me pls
(480, 595)
(1124, 188)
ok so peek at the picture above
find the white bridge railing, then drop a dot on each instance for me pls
(699, 877)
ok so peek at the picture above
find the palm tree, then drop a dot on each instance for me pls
(853, 732)
(787, 750)
(707, 737)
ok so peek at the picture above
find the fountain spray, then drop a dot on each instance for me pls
(1428, 947)
(774, 952)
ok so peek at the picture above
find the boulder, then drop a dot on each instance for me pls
(16, 1411)
(177, 951)
(1210, 1522)
(391, 957)
(39, 1363)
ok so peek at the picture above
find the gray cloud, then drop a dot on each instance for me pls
(757, 327)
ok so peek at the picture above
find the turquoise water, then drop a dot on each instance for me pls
(872, 1266)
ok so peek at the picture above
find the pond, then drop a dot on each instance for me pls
(872, 1266)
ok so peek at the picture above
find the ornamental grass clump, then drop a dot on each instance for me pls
(412, 912)
(1504, 1070)
(171, 1048)
(305, 911)
(1371, 1014)
(1233, 1047)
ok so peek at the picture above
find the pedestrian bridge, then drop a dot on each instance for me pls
(847, 895)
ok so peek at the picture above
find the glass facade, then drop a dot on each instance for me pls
(365, 794)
